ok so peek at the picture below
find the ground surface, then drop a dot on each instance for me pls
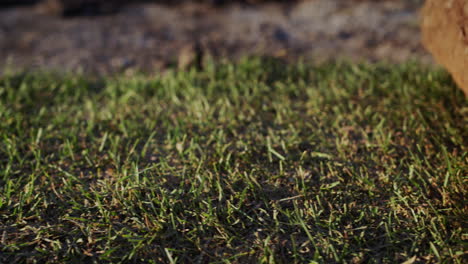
(150, 37)
(250, 163)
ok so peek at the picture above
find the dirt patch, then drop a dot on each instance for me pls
(150, 37)
(445, 34)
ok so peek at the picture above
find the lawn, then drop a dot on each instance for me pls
(252, 162)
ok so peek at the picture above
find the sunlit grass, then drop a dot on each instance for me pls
(254, 162)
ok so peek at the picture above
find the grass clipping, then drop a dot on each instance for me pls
(254, 162)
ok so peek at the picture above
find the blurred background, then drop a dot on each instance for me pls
(107, 37)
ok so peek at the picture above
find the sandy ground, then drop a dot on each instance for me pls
(151, 37)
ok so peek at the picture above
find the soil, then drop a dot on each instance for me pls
(151, 37)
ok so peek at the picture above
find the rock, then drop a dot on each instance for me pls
(445, 34)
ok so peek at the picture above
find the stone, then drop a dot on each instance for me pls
(444, 28)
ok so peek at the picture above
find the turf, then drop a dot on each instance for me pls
(252, 162)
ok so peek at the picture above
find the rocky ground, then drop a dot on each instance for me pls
(152, 37)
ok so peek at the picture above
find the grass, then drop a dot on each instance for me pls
(254, 162)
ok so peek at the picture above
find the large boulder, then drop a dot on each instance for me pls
(445, 34)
